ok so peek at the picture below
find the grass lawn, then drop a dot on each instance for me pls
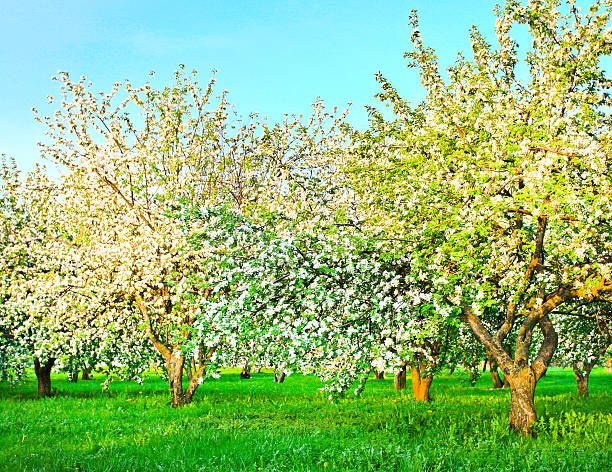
(254, 425)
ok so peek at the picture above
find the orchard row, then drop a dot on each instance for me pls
(476, 224)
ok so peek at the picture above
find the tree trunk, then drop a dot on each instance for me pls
(379, 374)
(190, 369)
(43, 376)
(420, 385)
(582, 379)
(497, 381)
(175, 361)
(73, 377)
(245, 373)
(522, 406)
(279, 375)
(175, 365)
(399, 381)
(85, 375)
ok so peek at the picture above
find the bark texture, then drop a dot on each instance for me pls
(582, 378)
(522, 406)
(43, 376)
(175, 365)
(175, 361)
(420, 385)
(399, 381)
(497, 381)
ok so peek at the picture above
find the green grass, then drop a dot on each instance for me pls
(255, 425)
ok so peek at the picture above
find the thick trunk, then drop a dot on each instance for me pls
(522, 406)
(379, 374)
(399, 381)
(43, 376)
(582, 379)
(420, 385)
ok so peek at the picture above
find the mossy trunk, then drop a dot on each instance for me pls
(43, 376)
(522, 405)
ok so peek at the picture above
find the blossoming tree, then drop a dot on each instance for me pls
(585, 335)
(138, 163)
(503, 178)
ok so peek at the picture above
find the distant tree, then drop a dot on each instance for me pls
(585, 335)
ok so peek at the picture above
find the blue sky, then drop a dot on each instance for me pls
(272, 56)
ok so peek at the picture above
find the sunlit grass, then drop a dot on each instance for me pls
(254, 424)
